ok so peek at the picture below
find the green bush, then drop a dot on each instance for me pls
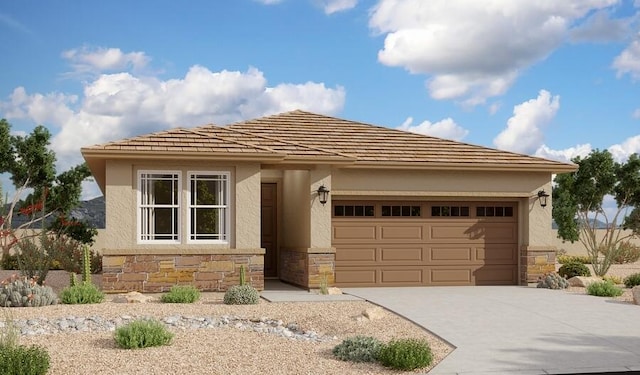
(615, 279)
(142, 333)
(82, 293)
(23, 360)
(181, 294)
(22, 292)
(627, 253)
(584, 259)
(241, 295)
(553, 281)
(358, 349)
(9, 262)
(604, 289)
(571, 269)
(406, 354)
(632, 280)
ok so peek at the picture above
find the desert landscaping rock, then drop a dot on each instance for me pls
(635, 292)
(583, 281)
(132, 297)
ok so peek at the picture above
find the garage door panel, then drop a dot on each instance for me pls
(405, 232)
(401, 253)
(450, 275)
(357, 254)
(499, 232)
(449, 254)
(496, 275)
(401, 276)
(357, 233)
(497, 254)
(449, 231)
(355, 277)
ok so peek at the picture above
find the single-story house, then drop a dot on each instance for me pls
(311, 199)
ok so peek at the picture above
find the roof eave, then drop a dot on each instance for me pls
(488, 167)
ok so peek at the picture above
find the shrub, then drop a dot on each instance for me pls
(604, 289)
(613, 279)
(69, 253)
(627, 253)
(82, 293)
(22, 292)
(142, 334)
(632, 280)
(571, 269)
(9, 333)
(181, 294)
(553, 281)
(23, 360)
(584, 259)
(241, 295)
(34, 262)
(9, 262)
(406, 354)
(358, 349)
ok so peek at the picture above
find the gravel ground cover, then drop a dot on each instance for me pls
(234, 348)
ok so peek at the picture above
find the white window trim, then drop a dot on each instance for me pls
(227, 216)
(139, 204)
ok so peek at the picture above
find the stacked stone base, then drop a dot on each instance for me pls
(308, 268)
(535, 261)
(154, 273)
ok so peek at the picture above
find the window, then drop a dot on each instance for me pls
(401, 211)
(449, 210)
(341, 210)
(494, 211)
(208, 206)
(159, 206)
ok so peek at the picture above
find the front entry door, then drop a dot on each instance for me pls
(269, 229)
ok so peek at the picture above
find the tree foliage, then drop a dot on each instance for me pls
(578, 199)
(31, 166)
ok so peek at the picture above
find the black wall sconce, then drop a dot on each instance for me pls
(323, 194)
(542, 197)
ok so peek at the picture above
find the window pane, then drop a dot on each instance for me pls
(395, 211)
(370, 211)
(480, 211)
(508, 211)
(359, 211)
(348, 210)
(386, 210)
(415, 211)
(338, 211)
(206, 221)
(163, 221)
(464, 211)
(490, 211)
(435, 210)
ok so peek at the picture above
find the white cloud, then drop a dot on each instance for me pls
(600, 27)
(446, 128)
(335, 6)
(114, 106)
(628, 61)
(564, 155)
(97, 60)
(524, 129)
(494, 108)
(622, 151)
(473, 50)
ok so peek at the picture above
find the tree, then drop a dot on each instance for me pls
(31, 165)
(578, 205)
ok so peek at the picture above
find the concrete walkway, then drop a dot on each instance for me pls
(278, 291)
(520, 330)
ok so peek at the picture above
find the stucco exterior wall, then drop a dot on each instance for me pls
(320, 224)
(296, 209)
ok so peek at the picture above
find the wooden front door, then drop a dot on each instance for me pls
(269, 228)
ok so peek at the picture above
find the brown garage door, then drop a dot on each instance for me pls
(425, 243)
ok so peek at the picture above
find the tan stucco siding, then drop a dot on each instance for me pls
(120, 203)
(320, 214)
(247, 206)
(296, 209)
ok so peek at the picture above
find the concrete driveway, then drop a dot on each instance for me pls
(520, 330)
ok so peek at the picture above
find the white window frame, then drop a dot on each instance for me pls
(225, 206)
(140, 217)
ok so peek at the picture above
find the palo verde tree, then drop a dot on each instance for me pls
(578, 205)
(31, 165)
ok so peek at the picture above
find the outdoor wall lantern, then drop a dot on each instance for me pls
(323, 194)
(542, 197)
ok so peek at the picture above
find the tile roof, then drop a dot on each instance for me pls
(304, 137)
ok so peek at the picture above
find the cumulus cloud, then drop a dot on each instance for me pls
(473, 50)
(601, 27)
(446, 128)
(118, 105)
(335, 6)
(565, 155)
(90, 60)
(524, 129)
(628, 61)
(621, 152)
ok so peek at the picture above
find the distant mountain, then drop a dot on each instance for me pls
(599, 224)
(93, 211)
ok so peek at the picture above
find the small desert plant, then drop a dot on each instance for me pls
(584, 259)
(181, 294)
(632, 280)
(22, 292)
(23, 360)
(9, 262)
(571, 269)
(553, 281)
(241, 295)
(604, 289)
(324, 283)
(627, 253)
(358, 349)
(406, 354)
(9, 333)
(82, 293)
(613, 278)
(142, 333)
(34, 262)
(243, 277)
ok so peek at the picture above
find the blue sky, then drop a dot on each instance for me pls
(549, 78)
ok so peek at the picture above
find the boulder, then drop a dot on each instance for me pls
(635, 291)
(374, 313)
(333, 291)
(132, 297)
(583, 281)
